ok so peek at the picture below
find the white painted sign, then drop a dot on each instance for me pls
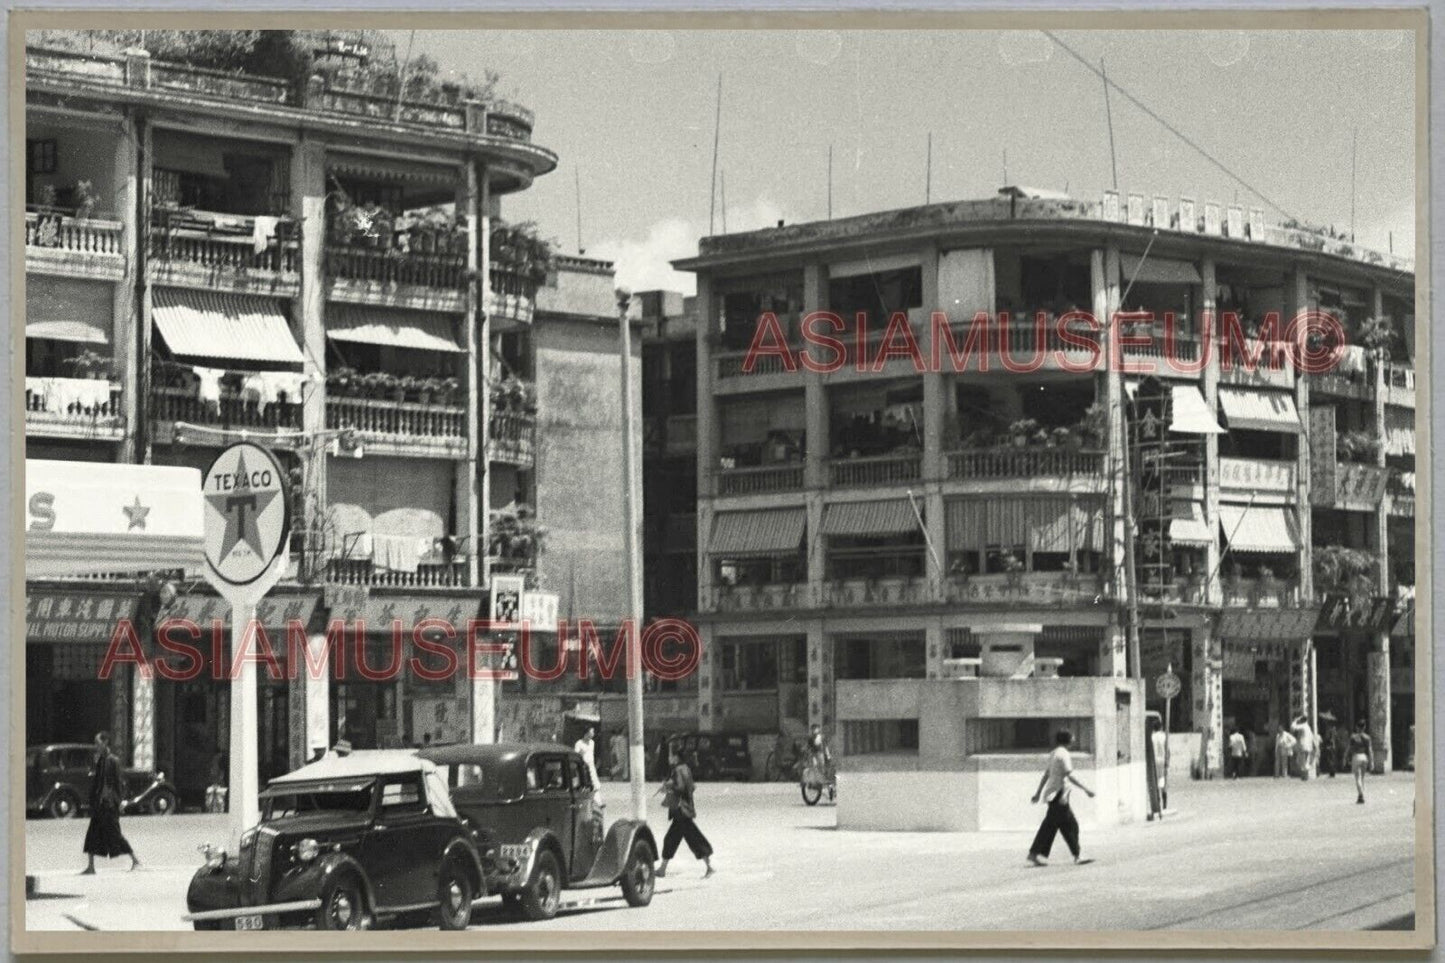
(247, 514)
(1167, 685)
(540, 610)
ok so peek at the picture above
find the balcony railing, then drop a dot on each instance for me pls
(760, 480)
(1400, 384)
(1340, 384)
(231, 411)
(511, 437)
(896, 590)
(393, 267)
(401, 421)
(72, 406)
(730, 365)
(1257, 474)
(512, 296)
(1014, 463)
(190, 238)
(1262, 593)
(63, 232)
(358, 571)
(757, 598)
(875, 470)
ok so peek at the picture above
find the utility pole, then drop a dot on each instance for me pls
(636, 755)
(928, 172)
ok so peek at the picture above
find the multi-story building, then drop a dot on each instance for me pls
(318, 265)
(876, 521)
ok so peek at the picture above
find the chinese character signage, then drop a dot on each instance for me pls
(75, 616)
(1342, 614)
(274, 612)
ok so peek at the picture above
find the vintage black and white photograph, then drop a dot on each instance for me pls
(921, 479)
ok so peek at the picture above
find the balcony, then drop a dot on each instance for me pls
(1262, 593)
(202, 249)
(511, 298)
(877, 470)
(1341, 385)
(730, 365)
(74, 247)
(1024, 588)
(1400, 494)
(1013, 464)
(785, 597)
(1250, 475)
(73, 408)
(893, 591)
(355, 571)
(387, 427)
(390, 277)
(170, 405)
(511, 437)
(1400, 385)
(760, 480)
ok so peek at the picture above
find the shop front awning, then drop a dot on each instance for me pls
(1188, 526)
(1190, 414)
(1047, 524)
(90, 518)
(235, 327)
(1259, 410)
(865, 519)
(1157, 270)
(1256, 529)
(766, 532)
(419, 330)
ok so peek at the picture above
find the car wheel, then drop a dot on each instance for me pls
(638, 878)
(811, 793)
(343, 907)
(63, 805)
(544, 890)
(163, 803)
(454, 897)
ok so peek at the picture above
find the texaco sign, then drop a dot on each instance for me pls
(247, 514)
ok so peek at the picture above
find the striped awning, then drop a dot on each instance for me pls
(893, 517)
(1190, 414)
(234, 327)
(1252, 528)
(1157, 270)
(1188, 526)
(1052, 524)
(758, 533)
(1259, 410)
(420, 330)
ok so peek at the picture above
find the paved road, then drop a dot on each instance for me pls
(1253, 854)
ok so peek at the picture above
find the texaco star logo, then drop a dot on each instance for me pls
(246, 513)
(241, 507)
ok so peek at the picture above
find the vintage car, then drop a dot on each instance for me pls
(57, 782)
(714, 755)
(539, 828)
(344, 842)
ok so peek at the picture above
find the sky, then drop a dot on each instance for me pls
(631, 114)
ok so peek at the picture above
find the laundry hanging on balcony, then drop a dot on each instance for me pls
(768, 532)
(215, 325)
(1256, 529)
(399, 553)
(1259, 410)
(61, 395)
(419, 330)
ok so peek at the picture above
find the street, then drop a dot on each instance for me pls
(1253, 854)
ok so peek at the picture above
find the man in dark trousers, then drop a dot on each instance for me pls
(680, 813)
(1054, 790)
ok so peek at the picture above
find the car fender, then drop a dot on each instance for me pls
(612, 857)
(310, 881)
(536, 841)
(465, 852)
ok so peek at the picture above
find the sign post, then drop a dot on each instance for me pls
(1168, 686)
(247, 521)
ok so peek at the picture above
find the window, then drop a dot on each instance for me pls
(747, 666)
(464, 774)
(878, 295)
(402, 796)
(876, 557)
(75, 758)
(40, 156)
(880, 658)
(546, 775)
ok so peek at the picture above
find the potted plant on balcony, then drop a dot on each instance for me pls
(1062, 437)
(91, 365)
(1093, 427)
(1022, 430)
(342, 381)
(1358, 446)
(1350, 572)
(85, 200)
(1376, 335)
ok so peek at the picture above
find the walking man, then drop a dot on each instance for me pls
(680, 815)
(1283, 749)
(103, 837)
(1238, 752)
(1362, 758)
(1054, 790)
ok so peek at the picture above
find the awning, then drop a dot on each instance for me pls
(758, 533)
(236, 327)
(1050, 524)
(1156, 270)
(1259, 410)
(419, 330)
(1252, 528)
(65, 309)
(869, 518)
(1188, 526)
(83, 330)
(1190, 413)
(92, 518)
(1065, 525)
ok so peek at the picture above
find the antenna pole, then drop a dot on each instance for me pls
(928, 173)
(723, 189)
(716, 132)
(577, 181)
(1005, 167)
(1354, 152)
(1109, 117)
(830, 182)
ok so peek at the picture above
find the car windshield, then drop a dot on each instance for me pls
(282, 801)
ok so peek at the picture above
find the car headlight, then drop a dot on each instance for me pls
(307, 850)
(214, 856)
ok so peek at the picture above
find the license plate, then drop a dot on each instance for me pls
(517, 851)
(248, 923)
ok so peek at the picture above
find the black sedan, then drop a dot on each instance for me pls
(57, 783)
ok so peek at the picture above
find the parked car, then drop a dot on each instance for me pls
(342, 843)
(714, 755)
(538, 827)
(57, 783)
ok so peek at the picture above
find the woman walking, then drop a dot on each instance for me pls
(680, 815)
(103, 837)
(1362, 758)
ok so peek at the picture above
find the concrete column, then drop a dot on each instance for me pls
(308, 202)
(1378, 659)
(1114, 651)
(1299, 301)
(125, 314)
(706, 431)
(484, 711)
(816, 545)
(821, 706)
(709, 696)
(935, 647)
(310, 710)
(470, 524)
(139, 429)
(935, 386)
(1206, 682)
(815, 393)
(1104, 280)
(143, 720)
(1210, 306)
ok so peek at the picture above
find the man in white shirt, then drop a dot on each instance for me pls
(1238, 752)
(587, 749)
(1054, 790)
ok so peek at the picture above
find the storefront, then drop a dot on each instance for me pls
(1267, 673)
